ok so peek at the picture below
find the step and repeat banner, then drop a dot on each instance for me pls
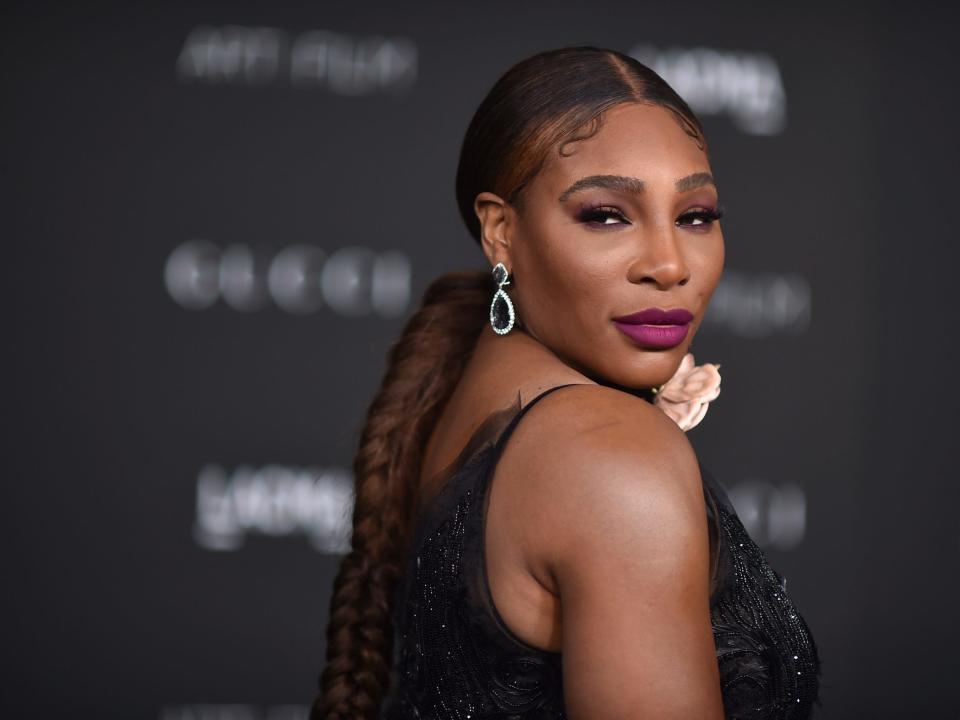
(219, 218)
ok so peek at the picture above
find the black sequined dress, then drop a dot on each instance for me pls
(456, 658)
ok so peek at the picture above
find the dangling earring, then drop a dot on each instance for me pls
(501, 309)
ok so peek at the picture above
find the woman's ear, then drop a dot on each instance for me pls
(494, 215)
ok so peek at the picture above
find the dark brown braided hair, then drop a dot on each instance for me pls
(537, 107)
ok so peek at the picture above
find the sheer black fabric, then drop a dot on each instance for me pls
(456, 658)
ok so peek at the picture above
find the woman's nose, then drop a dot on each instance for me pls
(660, 259)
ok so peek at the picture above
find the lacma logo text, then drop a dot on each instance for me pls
(276, 501)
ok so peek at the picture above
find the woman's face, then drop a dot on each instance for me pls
(620, 225)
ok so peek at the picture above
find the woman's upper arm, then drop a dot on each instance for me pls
(629, 553)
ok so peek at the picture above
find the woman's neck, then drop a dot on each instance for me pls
(644, 392)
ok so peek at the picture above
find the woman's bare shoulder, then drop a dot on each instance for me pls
(592, 456)
(589, 425)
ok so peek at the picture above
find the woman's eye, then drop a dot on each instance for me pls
(700, 218)
(602, 216)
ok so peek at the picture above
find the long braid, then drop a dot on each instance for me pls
(423, 368)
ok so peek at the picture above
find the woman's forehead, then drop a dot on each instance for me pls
(636, 140)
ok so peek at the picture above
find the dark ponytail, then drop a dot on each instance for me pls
(537, 107)
(423, 368)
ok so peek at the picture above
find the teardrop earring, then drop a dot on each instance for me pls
(502, 314)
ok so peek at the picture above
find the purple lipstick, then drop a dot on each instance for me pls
(656, 328)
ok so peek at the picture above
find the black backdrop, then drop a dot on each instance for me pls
(219, 217)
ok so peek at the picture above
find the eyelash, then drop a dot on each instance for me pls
(595, 215)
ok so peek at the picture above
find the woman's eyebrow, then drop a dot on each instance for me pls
(694, 181)
(625, 183)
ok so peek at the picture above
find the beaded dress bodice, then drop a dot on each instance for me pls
(455, 657)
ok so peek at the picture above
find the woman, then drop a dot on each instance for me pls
(581, 563)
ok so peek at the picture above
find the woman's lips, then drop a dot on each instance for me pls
(656, 328)
(655, 336)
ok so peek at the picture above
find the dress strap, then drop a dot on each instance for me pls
(506, 432)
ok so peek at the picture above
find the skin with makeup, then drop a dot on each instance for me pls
(596, 536)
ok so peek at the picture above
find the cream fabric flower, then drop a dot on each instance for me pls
(686, 396)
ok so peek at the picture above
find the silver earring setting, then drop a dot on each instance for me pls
(502, 314)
